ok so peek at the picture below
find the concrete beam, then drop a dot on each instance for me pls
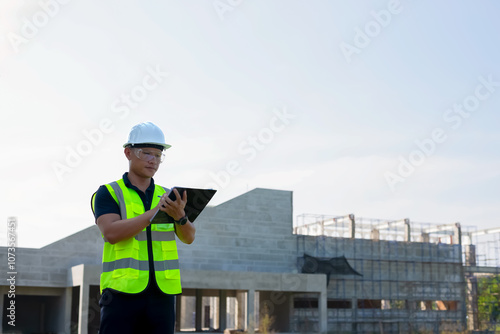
(481, 270)
(92, 275)
(236, 280)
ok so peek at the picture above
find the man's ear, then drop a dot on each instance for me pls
(128, 153)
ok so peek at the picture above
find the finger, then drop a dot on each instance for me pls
(168, 199)
(185, 196)
(177, 195)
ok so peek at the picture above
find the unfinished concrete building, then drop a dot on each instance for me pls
(250, 265)
(410, 279)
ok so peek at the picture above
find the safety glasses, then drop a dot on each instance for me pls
(146, 155)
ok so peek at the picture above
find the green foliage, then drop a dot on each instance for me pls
(489, 301)
(266, 321)
(398, 304)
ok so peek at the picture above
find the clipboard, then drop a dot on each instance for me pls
(197, 200)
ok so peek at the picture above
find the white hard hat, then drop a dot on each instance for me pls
(146, 133)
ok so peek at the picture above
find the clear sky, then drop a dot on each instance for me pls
(384, 109)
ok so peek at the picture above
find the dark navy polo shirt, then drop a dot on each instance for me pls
(105, 203)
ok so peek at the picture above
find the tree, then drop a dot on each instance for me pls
(489, 301)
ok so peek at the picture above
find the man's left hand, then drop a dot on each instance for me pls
(174, 209)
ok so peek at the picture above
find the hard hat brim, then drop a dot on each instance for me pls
(165, 146)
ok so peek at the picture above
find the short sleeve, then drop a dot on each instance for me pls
(104, 203)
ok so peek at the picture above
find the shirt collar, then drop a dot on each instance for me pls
(129, 184)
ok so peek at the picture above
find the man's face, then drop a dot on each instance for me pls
(144, 161)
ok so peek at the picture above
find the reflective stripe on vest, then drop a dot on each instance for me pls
(119, 195)
(155, 235)
(139, 265)
(125, 264)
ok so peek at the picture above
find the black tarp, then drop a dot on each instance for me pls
(328, 266)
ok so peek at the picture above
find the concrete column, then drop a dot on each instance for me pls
(457, 235)
(83, 308)
(67, 300)
(178, 311)
(472, 309)
(407, 230)
(251, 312)
(353, 226)
(470, 255)
(241, 297)
(425, 237)
(354, 318)
(222, 310)
(323, 312)
(199, 309)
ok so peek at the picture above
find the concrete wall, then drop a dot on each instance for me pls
(48, 266)
(252, 232)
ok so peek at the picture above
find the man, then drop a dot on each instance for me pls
(140, 275)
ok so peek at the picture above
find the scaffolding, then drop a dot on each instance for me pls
(481, 257)
(416, 277)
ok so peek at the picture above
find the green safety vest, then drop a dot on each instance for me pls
(125, 265)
